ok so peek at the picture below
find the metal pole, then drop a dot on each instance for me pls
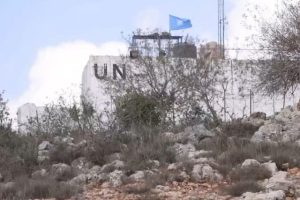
(250, 102)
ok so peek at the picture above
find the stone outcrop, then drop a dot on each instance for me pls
(204, 172)
(44, 151)
(283, 127)
(272, 195)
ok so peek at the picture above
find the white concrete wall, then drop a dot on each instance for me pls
(239, 74)
(24, 113)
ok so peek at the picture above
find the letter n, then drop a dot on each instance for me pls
(117, 69)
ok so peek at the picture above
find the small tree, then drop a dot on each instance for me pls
(280, 39)
(178, 85)
(136, 109)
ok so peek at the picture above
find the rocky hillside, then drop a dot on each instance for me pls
(254, 158)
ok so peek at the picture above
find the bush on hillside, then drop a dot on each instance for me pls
(137, 109)
(238, 129)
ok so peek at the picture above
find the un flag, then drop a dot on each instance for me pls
(176, 23)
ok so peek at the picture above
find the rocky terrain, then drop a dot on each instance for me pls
(253, 159)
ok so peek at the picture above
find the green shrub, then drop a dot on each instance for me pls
(137, 109)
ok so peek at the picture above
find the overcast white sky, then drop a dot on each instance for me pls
(46, 44)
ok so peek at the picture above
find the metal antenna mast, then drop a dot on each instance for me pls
(221, 27)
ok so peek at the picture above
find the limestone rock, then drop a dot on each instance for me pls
(61, 171)
(81, 179)
(271, 166)
(270, 132)
(198, 154)
(43, 155)
(285, 115)
(68, 140)
(193, 134)
(250, 162)
(45, 145)
(137, 176)
(205, 172)
(81, 165)
(39, 174)
(117, 164)
(278, 181)
(174, 166)
(114, 156)
(115, 178)
(256, 119)
(96, 177)
(272, 195)
(153, 163)
(183, 150)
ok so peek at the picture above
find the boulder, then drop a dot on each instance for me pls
(117, 164)
(95, 175)
(178, 176)
(113, 157)
(204, 172)
(44, 151)
(279, 181)
(137, 176)
(256, 119)
(198, 154)
(61, 171)
(69, 140)
(79, 147)
(193, 134)
(250, 162)
(81, 165)
(115, 178)
(45, 145)
(271, 195)
(81, 179)
(43, 155)
(270, 132)
(39, 174)
(183, 150)
(174, 166)
(285, 115)
(154, 164)
(271, 166)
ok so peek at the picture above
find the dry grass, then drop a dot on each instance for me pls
(25, 188)
(252, 172)
(239, 188)
(147, 146)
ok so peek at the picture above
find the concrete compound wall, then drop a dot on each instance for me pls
(239, 81)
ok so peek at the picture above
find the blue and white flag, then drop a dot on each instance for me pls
(176, 23)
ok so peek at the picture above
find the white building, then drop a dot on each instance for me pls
(238, 89)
